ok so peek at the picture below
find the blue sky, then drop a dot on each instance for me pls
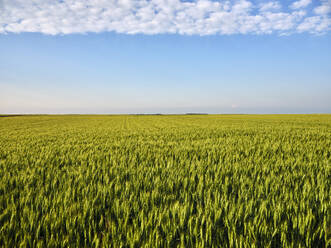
(223, 57)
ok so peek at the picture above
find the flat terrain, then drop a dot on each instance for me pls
(165, 181)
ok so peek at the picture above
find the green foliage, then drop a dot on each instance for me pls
(165, 181)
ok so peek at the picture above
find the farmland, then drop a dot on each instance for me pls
(165, 181)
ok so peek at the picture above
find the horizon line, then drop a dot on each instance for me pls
(153, 114)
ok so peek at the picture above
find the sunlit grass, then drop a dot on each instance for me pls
(165, 181)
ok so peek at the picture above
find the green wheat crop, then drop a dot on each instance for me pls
(165, 181)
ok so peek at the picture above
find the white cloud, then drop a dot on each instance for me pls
(315, 24)
(200, 17)
(323, 9)
(270, 6)
(300, 4)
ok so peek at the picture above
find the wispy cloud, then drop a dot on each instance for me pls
(270, 6)
(300, 4)
(201, 17)
(323, 9)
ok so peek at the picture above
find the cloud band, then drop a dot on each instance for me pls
(202, 17)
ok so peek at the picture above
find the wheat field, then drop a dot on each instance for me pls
(165, 181)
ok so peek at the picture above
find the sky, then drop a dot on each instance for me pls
(158, 56)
